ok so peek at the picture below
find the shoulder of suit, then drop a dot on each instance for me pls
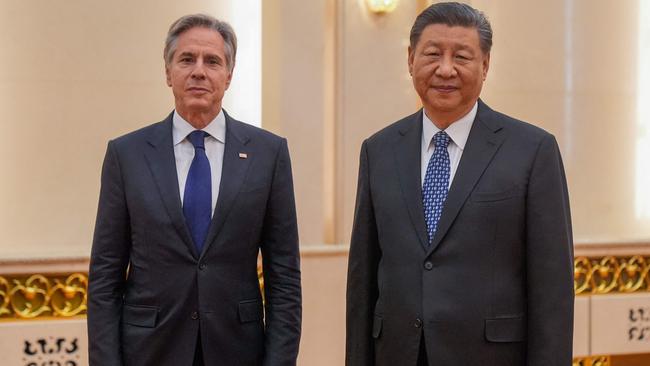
(255, 132)
(140, 134)
(389, 132)
(519, 129)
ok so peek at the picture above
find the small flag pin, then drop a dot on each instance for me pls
(243, 155)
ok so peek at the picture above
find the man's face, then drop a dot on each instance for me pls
(448, 69)
(198, 73)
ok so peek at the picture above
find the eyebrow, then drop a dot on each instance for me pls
(207, 56)
(437, 44)
(186, 53)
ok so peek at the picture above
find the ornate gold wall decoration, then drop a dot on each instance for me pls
(592, 361)
(69, 298)
(4, 296)
(39, 295)
(30, 299)
(611, 274)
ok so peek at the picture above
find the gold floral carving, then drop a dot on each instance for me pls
(592, 361)
(4, 296)
(69, 298)
(611, 274)
(30, 299)
(39, 295)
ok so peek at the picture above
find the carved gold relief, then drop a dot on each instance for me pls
(260, 276)
(38, 295)
(592, 361)
(30, 299)
(611, 274)
(69, 298)
(4, 297)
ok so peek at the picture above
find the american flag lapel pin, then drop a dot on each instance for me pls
(243, 155)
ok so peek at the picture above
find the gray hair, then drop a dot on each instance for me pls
(453, 14)
(188, 22)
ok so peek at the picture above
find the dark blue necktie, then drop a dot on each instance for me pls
(436, 183)
(197, 199)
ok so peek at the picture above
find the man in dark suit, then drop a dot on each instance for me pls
(461, 250)
(185, 206)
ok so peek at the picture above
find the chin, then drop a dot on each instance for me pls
(444, 107)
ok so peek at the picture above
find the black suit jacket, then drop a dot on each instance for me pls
(151, 293)
(495, 288)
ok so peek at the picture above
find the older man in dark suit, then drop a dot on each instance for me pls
(185, 206)
(461, 250)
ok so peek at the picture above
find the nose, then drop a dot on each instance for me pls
(446, 68)
(198, 72)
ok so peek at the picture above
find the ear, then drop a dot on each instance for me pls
(411, 55)
(486, 65)
(168, 77)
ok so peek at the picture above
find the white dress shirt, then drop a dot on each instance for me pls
(184, 151)
(458, 132)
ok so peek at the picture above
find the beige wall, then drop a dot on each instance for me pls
(296, 101)
(571, 68)
(72, 75)
(77, 73)
(554, 64)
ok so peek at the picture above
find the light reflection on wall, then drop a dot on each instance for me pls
(643, 114)
(243, 100)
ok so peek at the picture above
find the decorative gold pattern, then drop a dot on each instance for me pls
(29, 297)
(38, 295)
(611, 274)
(260, 275)
(4, 296)
(69, 298)
(592, 361)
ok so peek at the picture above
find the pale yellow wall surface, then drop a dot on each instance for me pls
(76, 73)
(570, 67)
(374, 88)
(294, 100)
(73, 74)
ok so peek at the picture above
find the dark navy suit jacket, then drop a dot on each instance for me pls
(495, 287)
(151, 293)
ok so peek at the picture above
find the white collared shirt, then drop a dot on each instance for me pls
(458, 132)
(184, 151)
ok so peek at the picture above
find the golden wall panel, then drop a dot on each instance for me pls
(611, 274)
(592, 361)
(37, 295)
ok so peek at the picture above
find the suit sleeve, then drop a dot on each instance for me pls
(549, 260)
(363, 262)
(108, 263)
(281, 263)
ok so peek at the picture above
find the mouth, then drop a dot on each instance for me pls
(197, 89)
(444, 88)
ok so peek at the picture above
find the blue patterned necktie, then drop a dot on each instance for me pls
(436, 183)
(197, 199)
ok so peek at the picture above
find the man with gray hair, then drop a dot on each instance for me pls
(185, 206)
(461, 249)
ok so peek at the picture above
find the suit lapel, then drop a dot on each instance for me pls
(407, 153)
(162, 164)
(482, 143)
(233, 174)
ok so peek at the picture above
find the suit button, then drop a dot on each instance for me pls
(428, 265)
(418, 323)
(202, 266)
(195, 315)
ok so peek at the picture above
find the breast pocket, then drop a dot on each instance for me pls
(495, 196)
(252, 188)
